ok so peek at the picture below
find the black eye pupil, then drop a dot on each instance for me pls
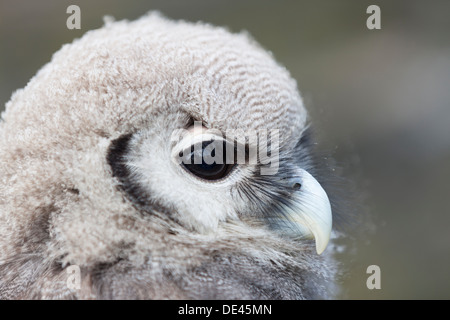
(209, 171)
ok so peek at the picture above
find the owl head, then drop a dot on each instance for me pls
(165, 159)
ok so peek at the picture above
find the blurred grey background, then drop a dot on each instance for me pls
(380, 100)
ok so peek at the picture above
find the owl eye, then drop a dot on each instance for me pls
(207, 160)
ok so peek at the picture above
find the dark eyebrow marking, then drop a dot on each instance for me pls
(116, 158)
(138, 195)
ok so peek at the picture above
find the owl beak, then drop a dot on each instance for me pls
(311, 212)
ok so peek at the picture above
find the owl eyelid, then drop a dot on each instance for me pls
(199, 149)
(191, 140)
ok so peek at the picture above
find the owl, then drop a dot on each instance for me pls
(161, 159)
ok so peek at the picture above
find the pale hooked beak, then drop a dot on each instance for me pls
(310, 215)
